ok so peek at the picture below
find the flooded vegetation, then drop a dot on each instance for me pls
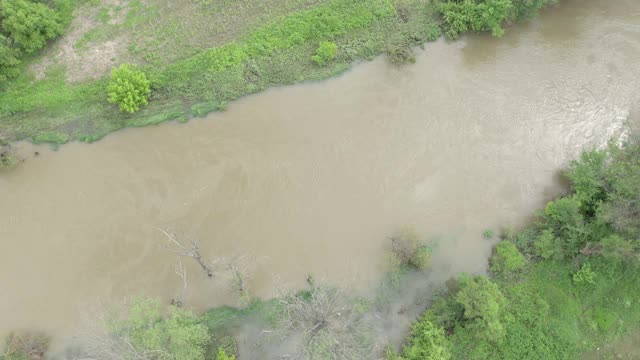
(312, 187)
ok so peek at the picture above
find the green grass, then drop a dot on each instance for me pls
(278, 52)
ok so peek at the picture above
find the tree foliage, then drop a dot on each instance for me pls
(462, 16)
(30, 24)
(483, 305)
(129, 88)
(476, 16)
(507, 258)
(9, 59)
(427, 342)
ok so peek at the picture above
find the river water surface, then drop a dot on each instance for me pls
(312, 178)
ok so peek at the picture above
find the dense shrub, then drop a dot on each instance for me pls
(585, 275)
(222, 355)
(129, 88)
(506, 259)
(427, 342)
(483, 305)
(462, 16)
(475, 15)
(325, 52)
(30, 23)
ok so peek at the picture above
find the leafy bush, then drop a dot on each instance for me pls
(129, 88)
(427, 342)
(507, 258)
(30, 23)
(483, 305)
(564, 217)
(546, 245)
(526, 9)
(475, 15)
(462, 16)
(222, 355)
(325, 52)
(587, 180)
(433, 32)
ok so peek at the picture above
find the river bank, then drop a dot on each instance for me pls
(297, 170)
(60, 94)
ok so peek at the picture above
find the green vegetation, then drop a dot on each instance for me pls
(30, 24)
(231, 52)
(462, 16)
(129, 88)
(26, 26)
(507, 258)
(325, 52)
(579, 289)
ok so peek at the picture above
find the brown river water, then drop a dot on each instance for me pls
(313, 178)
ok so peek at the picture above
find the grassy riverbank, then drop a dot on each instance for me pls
(199, 55)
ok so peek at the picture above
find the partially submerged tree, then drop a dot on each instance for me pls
(328, 324)
(189, 249)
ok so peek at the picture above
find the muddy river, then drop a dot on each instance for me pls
(313, 178)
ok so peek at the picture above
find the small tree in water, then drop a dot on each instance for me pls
(129, 88)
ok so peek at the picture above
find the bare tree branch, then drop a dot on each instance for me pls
(191, 250)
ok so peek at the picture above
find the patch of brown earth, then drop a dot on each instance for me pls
(88, 63)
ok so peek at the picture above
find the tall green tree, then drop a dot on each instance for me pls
(483, 304)
(30, 24)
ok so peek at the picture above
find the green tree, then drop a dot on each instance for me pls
(564, 217)
(622, 208)
(546, 245)
(325, 52)
(507, 258)
(9, 59)
(483, 304)
(129, 88)
(462, 16)
(587, 177)
(428, 342)
(30, 23)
